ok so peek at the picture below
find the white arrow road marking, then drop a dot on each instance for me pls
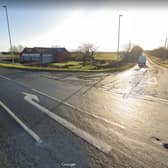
(4, 77)
(104, 147)
(28, 130)
(80, 110)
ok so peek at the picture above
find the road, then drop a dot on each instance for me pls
(84, 119)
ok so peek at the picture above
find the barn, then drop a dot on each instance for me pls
(43, 55)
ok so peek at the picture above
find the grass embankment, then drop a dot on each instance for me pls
(73, 66)
(159, 61)
(87, 68)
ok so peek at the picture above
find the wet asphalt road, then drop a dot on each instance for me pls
(125, 114)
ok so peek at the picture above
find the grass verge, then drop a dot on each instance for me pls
(159, 61)
(87, 68)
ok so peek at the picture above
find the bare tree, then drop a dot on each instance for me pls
(20, 48)
(17, 49)
(87, 51)
(126, 48)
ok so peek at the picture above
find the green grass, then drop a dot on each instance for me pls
(107, 56)
(87, 68)
(72, 65)
(69, 63)
(61, 67)
(9, 56)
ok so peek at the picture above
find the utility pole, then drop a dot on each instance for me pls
(129, 45)
(166, 43)
(118, 47)
(10, 41)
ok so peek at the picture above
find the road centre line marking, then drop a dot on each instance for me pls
(99, 144)
(82, 111)
(28, 130)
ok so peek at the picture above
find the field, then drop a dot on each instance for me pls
(107, 56)
(8, 57)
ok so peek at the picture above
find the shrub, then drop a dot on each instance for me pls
(133, 55)
(160, 52)
(76, 56)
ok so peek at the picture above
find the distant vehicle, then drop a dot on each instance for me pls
(142, 61)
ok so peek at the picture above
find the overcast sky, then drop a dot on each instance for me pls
(70, 27)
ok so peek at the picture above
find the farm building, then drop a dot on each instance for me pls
(44, 55)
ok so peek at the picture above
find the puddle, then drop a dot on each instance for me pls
(165, 145)
(159, 141)
(156, 140)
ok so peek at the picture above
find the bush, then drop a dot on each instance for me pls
(133, 55)
(76, 56)
(160, 52)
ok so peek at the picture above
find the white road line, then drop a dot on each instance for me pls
(102, 146)
(28, 130)
(4, 77)
(78, 109)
